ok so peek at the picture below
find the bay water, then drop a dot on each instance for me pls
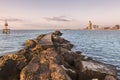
(103, 46)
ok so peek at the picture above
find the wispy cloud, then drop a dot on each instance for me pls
(11, 19)
(59, 18)
(42, 26)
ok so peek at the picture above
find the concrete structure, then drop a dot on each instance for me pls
(6, 30)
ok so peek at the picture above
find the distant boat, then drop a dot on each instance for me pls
(6, 30)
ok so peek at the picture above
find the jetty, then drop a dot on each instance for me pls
(49, 57)
(6, 30)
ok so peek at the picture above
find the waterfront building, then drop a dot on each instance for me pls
(90, 26)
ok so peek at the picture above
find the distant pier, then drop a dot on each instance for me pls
(6, 30)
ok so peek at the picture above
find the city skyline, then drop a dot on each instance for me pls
(58, 14)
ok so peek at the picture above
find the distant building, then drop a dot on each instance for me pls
(116, 27)
(90, 26)
(107, 28)
(95, 27)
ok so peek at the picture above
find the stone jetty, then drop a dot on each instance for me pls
(49, 57)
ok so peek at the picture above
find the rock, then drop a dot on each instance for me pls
(108, 77)
(70, 57)
(37, 49)
(68, 46)
(57, 73)
(44, 67)
(8, 70)
(39, 38)
(46, 41)
(93, 69)
(10, 66)
(95, 79)
(31, 71)
(22, 52)
(57, 32)
(57, 39)
(78, 52)
(71, 72)
(30, 44)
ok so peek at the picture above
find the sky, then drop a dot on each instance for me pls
(58, 14)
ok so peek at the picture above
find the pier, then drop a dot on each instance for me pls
(6, 30)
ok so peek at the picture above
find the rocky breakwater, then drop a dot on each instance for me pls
(49, 57)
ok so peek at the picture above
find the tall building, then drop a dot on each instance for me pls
(90, 26)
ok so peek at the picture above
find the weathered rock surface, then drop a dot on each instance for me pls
(49, 57)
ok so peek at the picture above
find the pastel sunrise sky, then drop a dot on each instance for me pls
(58, 14)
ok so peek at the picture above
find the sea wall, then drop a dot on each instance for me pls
(49, 57)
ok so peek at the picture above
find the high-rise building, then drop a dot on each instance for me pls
(90, 26)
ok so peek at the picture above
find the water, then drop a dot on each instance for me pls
(15, 40)
(103, 46)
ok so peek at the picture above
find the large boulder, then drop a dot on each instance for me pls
(90, 69)
(31, 71)
(57, 32)
(39, 38)
(108, 77)
(46, 41)
(10, 66)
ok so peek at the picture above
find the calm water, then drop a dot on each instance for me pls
(103, 46)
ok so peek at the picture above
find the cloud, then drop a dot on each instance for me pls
(60, 18)
(42, 26)
(12, 19)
